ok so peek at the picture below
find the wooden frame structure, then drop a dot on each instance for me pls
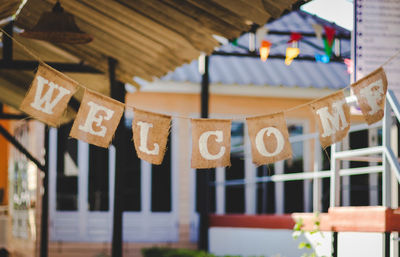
(143, 39)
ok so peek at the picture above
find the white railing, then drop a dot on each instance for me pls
(388, 158)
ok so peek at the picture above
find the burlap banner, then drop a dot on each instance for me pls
(150, 135)
(211, 143)
(99, 116)
(333, 116)
(48, 95)
(97, 119)
(371, 94)
(269, 138)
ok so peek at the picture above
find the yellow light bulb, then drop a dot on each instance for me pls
(291, 53)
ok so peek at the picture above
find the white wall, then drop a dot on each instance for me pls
(263, 242)
(352, 244)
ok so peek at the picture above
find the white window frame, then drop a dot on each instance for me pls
(96, 226)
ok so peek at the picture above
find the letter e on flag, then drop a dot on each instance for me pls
(211, 143)
(48, 95)
(150, 135)
(97, 119)
(371, 94)
(269, 138)
(332, 114)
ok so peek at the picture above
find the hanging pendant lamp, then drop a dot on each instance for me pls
(58, 26)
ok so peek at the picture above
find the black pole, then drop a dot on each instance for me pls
(7, 42)
(204, 190)
(120, 142)
(44, 224)
(334, 244)
(21, 148)
(12, 116)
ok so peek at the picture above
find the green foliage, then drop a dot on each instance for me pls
(298, 231)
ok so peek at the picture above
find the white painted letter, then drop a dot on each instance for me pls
(260, 142)
(91, 118)
(331, 122)
(144, 132)
(373, 93)
(203, 145)
(46, 98)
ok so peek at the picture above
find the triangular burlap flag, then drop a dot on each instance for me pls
(211, 143)
(97, 119)
(333, 117)
(150, 135)
(48, 95)
(371, 94)
(269, 138)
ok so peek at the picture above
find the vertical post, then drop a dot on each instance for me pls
(44, 229)
(386, 175)
(345, 180)
(335, 177)
(204, 189)
(335, 191)
(7, 42)
(334, 244)
(317, 181)
(120, 141)
(279, 189)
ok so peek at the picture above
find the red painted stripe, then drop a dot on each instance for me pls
(253, 221)
(340, 219)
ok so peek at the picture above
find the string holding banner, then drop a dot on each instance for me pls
(99, 116)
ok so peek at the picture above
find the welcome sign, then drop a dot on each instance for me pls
(99, 116)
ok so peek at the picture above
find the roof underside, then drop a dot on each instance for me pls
(151, 37)
(148, 38)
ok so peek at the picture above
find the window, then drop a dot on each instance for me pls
(326, 165)
(98, 179)
(265, 190)
(293, 189)
(161, 183)
(234, 201)
(359, 184)
(67, 171)
(132, 179)
(212, 192)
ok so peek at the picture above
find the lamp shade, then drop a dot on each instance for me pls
(264, 50)
(57, 27)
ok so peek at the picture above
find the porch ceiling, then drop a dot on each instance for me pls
(148, 38)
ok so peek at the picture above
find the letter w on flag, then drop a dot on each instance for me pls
(48, 96)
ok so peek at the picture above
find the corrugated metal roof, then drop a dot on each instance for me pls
(250, 70)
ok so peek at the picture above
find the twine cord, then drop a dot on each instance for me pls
(35, 56)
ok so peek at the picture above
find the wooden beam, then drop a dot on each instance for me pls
(116, 40)
(220, 13)
(175, 20)
(62, 67)
(105, 28)
(135, 21)
(207, 20)
(12, 116)
(247, 11)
